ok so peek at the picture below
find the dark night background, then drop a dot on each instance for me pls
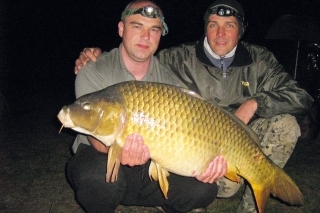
(40, 40)
(39, 43)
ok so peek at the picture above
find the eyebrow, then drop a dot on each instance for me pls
(228, 22)
(138, 23)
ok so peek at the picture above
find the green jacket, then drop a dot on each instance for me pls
(254, 73)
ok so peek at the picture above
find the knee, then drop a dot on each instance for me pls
(205, 193)
(280, 138)
(287, 119)
(187, 193)
(80, 175)
(92, 191)
(280, 129)
(287, 126)
(198, 196)
(87, 166)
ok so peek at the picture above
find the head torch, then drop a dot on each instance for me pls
(223, 11)
(147, 11)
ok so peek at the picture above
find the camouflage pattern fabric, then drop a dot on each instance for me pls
(278, 136)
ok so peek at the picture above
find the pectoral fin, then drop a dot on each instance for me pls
(114, 156)
(160, 174)
(153, 173)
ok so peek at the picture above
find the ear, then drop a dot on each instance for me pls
(120, 28)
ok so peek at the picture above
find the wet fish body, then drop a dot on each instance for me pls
(183, 132)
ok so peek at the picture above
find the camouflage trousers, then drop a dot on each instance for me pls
(278, 136)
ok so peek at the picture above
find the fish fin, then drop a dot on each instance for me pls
(261, 196)
(233, 177)
(192, 93)
(113, 164)
(160, 174)
(284, 188)
(153, 173)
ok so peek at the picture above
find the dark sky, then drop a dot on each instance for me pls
(42, 39)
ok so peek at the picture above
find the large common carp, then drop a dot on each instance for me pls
(183, 132)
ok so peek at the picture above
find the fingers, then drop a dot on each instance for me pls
(80, 62)
(78, 65)
(135, 152)
(219, 169)
(90, 54)
(86, 55)
(146, 154)
(216, 170)
(96, 51)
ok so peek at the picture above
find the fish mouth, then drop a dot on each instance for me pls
(65, 119)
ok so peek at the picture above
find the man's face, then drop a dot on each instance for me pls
(140, 36)
(222, 33)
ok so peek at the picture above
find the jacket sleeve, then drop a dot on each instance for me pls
(277, 91)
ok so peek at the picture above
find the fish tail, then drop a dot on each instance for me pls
(284, 188)
(261, 196)
(281, 187)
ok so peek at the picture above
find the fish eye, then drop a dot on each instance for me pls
(86, 106)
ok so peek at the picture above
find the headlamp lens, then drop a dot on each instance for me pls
(224, 11)
(147, 11)
(151, 12)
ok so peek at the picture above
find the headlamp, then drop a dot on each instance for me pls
(223, 11)
(147, 11)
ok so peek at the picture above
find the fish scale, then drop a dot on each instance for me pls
(183, 132)
(163, 112)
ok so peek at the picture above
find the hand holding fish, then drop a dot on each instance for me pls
(134, 152)
(216, 170)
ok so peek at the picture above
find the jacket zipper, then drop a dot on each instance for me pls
(224, 78)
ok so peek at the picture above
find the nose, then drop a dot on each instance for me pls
(221, 31)
(145, 34)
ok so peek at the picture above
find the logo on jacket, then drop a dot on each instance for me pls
(245, 83)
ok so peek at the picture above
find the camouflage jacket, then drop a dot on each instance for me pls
(254, 73)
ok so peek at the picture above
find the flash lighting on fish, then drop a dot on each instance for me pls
(143, 119)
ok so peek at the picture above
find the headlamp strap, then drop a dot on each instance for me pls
(147, 11)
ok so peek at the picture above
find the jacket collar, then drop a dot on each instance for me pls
(242, 55)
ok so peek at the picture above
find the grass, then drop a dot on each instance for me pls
(33, 156)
